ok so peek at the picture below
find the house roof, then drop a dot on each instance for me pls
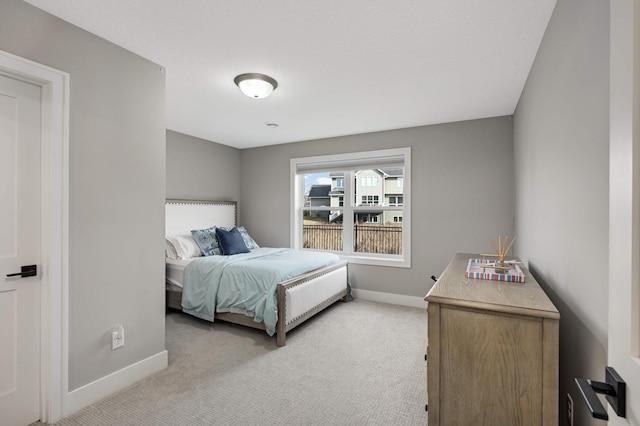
(317, 191)
(392, 171)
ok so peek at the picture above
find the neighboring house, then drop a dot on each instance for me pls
(376, 187)
(393, 193)
(337, 195)
(318, 196)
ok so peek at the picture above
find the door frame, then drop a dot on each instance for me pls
(623, 350)
(54, 269)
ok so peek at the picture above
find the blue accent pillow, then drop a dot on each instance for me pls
(207, 240)
(231, 241)
(248, 241)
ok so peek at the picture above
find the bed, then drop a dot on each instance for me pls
(287, 300)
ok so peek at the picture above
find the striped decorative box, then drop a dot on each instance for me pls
(476, 270)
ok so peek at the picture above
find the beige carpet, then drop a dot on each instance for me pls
(358, 363)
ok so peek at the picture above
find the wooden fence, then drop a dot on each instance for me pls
(367, 238)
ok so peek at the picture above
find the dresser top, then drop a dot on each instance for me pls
(453, 288)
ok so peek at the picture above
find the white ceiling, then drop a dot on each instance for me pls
(343, 66)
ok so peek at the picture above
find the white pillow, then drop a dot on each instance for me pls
(169, 250)
(184, 246)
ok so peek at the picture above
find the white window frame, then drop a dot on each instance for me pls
(338, 162)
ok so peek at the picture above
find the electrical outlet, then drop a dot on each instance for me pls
(117, 337)
(569, 410)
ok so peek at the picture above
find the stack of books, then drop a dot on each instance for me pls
(485, 269)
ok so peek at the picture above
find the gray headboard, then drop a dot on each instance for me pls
(181, 216)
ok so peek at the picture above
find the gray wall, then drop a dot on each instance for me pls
(462, 194)
(201, 170)
(117, 188)
(561, 134)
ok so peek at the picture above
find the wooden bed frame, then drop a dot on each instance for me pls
(298, 299)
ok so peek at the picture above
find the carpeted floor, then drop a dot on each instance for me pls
(357, 363)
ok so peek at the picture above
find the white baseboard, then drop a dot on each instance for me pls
(393, 299)
(105, 386)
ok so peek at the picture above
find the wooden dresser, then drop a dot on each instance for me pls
(492, 351)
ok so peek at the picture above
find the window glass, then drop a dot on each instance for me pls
(320, 232)
(372, 236)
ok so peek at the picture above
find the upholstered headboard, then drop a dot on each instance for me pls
(181, 216)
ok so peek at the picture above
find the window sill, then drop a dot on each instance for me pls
(377, 261)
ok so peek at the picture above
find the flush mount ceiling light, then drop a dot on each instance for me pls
(256, 85)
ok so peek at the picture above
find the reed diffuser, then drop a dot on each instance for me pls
(502, 247)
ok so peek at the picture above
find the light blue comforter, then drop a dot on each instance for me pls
(245, 283)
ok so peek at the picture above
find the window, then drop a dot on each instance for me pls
(366, 218)
(395, 201)
(370, 181)
(361, 222)
(370, 200)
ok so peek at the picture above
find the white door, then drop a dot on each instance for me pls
(624, 213)
(20, 304)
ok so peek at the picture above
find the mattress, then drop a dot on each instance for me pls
(175, 273)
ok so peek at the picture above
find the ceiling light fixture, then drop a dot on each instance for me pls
(256, 85)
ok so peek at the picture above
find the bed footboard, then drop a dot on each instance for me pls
(301, 298)
(298, 299)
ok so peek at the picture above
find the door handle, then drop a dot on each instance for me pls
(613, 388)
(26, 271)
